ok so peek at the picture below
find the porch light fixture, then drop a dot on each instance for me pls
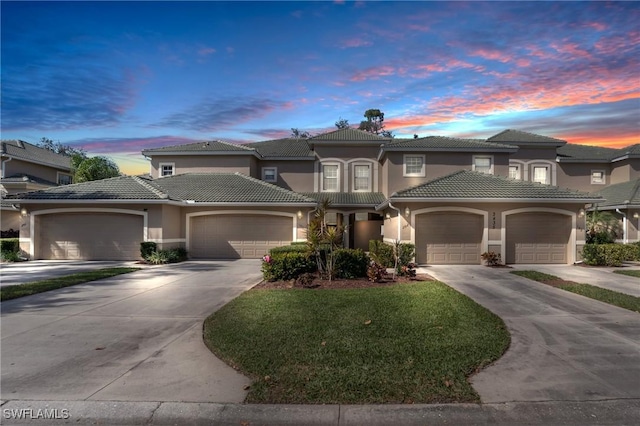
(407, 212)
(23, 212)
(581, 213)
(299, 214)
(636, 215)
(387, 215)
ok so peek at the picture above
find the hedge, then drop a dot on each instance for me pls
(609, 254)
(10, 245)
(351, 263)
(287, 265)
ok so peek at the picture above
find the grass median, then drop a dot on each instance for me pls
(611, 297)
(408, 343)
(630, 272)
(20, 290)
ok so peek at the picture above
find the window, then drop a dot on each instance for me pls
(597, 177)
(64, 179)
(541, 174)
(270, 174)
(361, 177)
(167, 169)
(330, 177)
(483, 164)
(514, 172)
(414, 165)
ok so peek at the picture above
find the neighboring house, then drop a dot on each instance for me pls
(518, 194)
(624, 199)
(25, 167)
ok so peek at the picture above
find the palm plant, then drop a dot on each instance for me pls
(324, 240)
(602, 227)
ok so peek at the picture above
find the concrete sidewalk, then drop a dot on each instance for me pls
(612, 412)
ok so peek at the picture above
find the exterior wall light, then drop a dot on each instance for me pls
(299, 214)
(407, 211)
(636, 215)
(387, 215)
(581, 213)
(24, 212)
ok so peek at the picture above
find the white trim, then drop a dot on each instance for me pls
(572, 239)
(188, 217)
(32, 220)
(161, 165)
(551, 167)
(580, 242)
(483, 213)
(369, 183)
(604, 176)
(167, 240)
(490, 157)
(63, 174)
(521, 169)
(322, 166)
(422, 173)
(24, 240)
(275, 169)
(494, 242)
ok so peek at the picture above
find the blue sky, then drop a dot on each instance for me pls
(118, 77)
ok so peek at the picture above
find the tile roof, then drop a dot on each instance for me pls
(204, 146)
(474, 185)
(117, 188)
(28, 152)
(288, 147)
(631, 150)
(348, 198)
(225, 188)
(520, 137)
(349, 135)
(585, 153)
(24, 178)
(621, 194)
(447, 143)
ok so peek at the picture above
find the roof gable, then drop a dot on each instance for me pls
(470, 185)
(586, 153)
(207, 147)
(518, 137)
(25, 151)
(623, 194)
(349, 135)
(283, 148)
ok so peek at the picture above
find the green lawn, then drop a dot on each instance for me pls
(410, 343)
(27, 289)
(611, 297)
(629, 272)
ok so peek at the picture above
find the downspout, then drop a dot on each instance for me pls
(399, 216)
(625, 237)
(4, 167)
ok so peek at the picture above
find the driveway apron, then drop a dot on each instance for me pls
(563, 346)
(134, 337)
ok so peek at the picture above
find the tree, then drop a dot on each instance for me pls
(299, 134)
(59, 148)
(342, 123)
(374, 123)
(602, 227)
(94, 168)
(324, 240)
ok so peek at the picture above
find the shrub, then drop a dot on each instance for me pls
(287, 266)
(9, 256)
(158, 257)
(176, 255)
(491, 258)
(10, 245)
(406, 254)
(305, 280)
(147, 248)
(293, 248)
(382, 253)
(408, 270)
(351, 263)
(376, 272)
(607, 254)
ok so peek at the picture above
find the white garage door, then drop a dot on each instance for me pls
(538, 238)
(238, 236)
(88, 236)
(444, 238)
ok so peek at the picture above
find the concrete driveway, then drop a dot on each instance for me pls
(564, 347)
(135, 337)
(34, 270)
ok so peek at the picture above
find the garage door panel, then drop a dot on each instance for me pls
(538, 237)
(89, 236)
(448, 238)
(238, 236)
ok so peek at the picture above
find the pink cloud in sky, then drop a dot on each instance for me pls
(373, 73)
(354, 42)
(206, 51)
(572, 49)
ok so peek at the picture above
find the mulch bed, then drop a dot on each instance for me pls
(341, 283)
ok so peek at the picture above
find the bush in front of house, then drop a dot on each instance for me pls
(282, 266)
(382, 253)
(351, 263)
(608, 254)
(10, 245)
(406, 253)
(293, 248)
(491, 258)
(161, 257)
(147, 248)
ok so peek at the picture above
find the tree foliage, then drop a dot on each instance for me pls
(602, 227)
(374, 123)
(299, 134)
(95, 168)
(324, 240)
(60, 148)
(342, 123)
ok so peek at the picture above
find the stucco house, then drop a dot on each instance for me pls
(516, 193)
(25, 167)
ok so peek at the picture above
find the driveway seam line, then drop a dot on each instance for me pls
(153, 413)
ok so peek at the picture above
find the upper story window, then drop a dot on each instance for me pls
(597, 177)
(514, 171)
(270, 174)
(330, 178)
(362, 177)
(540, 174)
(64, 179)
(483, 164)
(167, 169)
(414, 165)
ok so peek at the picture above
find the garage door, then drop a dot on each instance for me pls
(445, 238)
(538, 238)
(238, 236)
(89, 236)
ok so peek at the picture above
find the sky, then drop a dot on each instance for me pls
(115, 78)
